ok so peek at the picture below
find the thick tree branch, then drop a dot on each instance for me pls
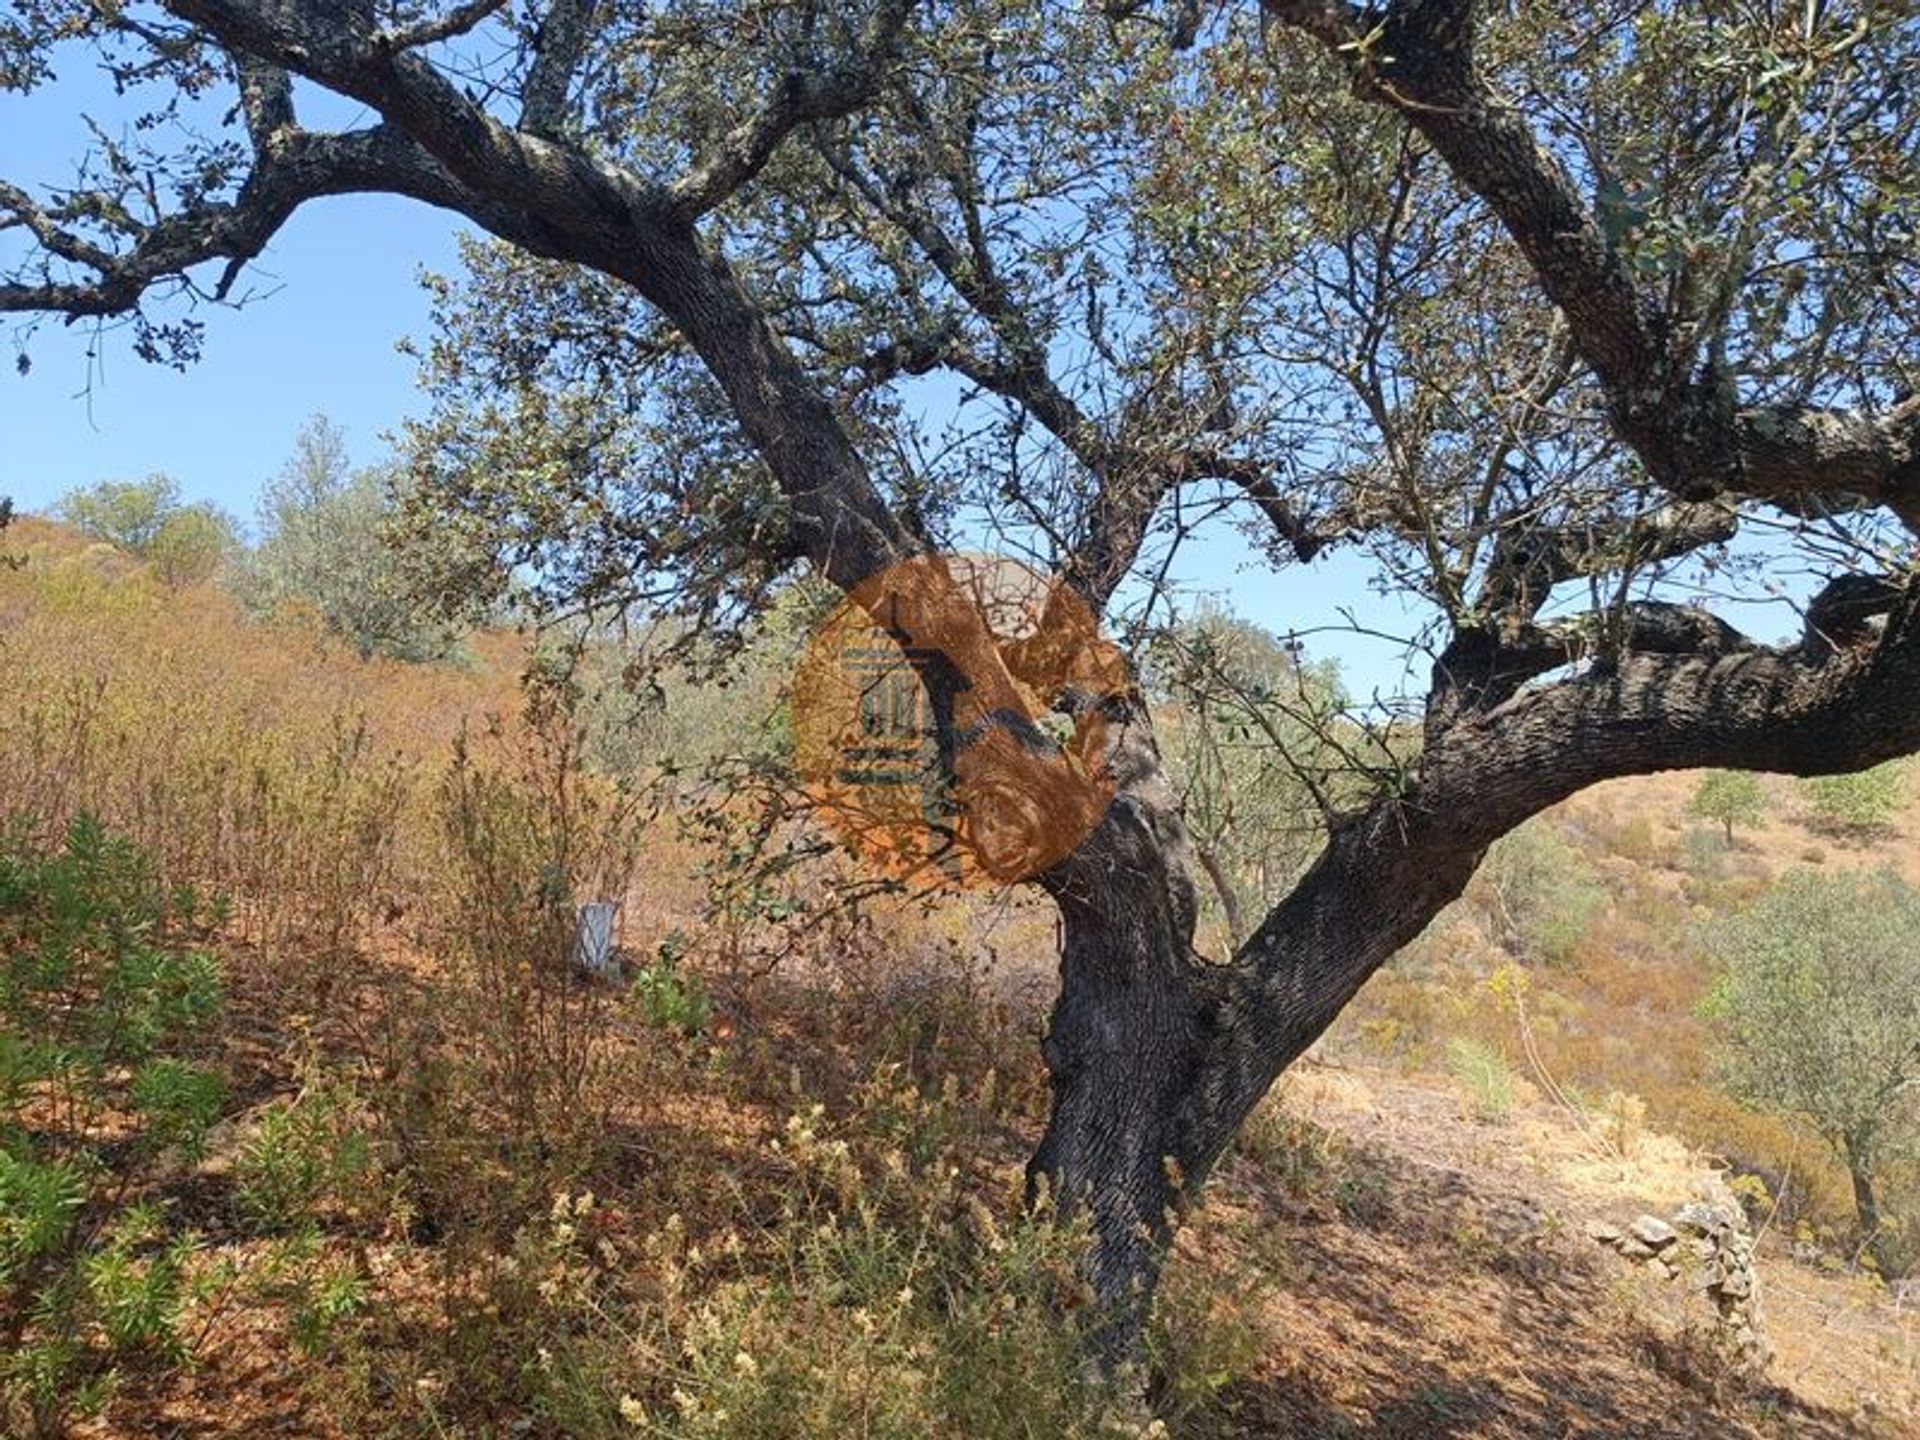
(1529, 560)
(551, 199)
(1390, 868)
(266, 101)
(1793, 455)
(1305, 538)
(558, 49)
(297, 168)
(593, 198)
(1485, 666)
(1674, 407)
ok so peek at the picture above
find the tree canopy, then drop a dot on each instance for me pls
(324, 545)
(1819, 1001)
(185, 543)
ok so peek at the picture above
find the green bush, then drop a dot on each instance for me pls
(669, 997)
(1864, 803)
(101, 1000)
(1540, 895)
(296, 1156)
(185, 543)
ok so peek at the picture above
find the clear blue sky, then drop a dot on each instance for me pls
(322, 340)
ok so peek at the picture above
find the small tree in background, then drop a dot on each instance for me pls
(1862, 804)
(191, 545)
(323, 545)
(1731, 797)
(126, 513)
(185, 543)
(1541, 896)
(1818, 999)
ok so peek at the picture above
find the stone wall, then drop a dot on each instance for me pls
(1706, 1244)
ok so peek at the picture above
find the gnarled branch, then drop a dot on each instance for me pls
(1681, 418)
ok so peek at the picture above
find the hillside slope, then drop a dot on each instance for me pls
(768, 1184)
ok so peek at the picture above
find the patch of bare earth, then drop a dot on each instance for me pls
(1440, 1283)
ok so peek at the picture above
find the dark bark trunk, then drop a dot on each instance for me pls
(1125, 1048)
(1157, 1056)
(1866, 1207)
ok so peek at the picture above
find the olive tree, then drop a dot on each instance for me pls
(1862, 804)
(1561, 318)
(1731, 797)
(324, 545)
(1819, 999)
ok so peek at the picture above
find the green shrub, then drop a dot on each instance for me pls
(101, 1000)
(668, 997)
(296, 1156)
(1864, 803)
(184, 543)
(324, 549)
(1540, 895)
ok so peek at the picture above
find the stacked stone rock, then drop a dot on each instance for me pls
(1708, 1242)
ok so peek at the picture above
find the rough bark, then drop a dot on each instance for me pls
(1866, 1204)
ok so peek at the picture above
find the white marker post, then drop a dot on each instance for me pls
(593, 939)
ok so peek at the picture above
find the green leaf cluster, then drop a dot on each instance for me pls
(104, 1001)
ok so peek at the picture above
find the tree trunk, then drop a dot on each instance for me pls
(1126, 1044)
(1157, 1056)
(1866, 1207)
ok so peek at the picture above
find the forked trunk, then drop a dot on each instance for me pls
(1157, 1056)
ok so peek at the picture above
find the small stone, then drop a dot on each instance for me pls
(1697, 1219)
(1652, 1231)
(1634, 1249)
(1604, 1231)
